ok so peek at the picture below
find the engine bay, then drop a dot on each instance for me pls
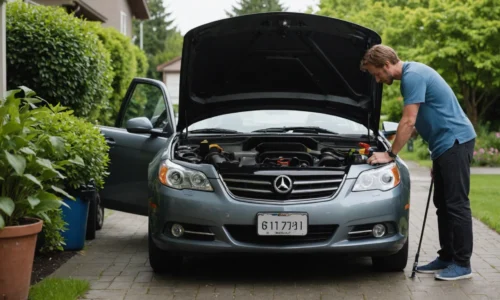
(269, 153)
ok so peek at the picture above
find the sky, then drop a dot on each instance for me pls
(188, 14)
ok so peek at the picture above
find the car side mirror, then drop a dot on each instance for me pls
(389, 129)
(139, 125)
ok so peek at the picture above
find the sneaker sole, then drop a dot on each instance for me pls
(428, 271)
(454, 278)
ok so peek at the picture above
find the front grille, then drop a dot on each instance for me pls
(248, 234)
(306, 185)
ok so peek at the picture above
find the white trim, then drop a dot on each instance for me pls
(123, 22)
(3, 49)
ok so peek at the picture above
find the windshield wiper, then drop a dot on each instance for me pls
(213, 130)
(311, 129)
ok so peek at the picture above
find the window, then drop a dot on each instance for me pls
(147, 101)
(259, 119)
(123, 23)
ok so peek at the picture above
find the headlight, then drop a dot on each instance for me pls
(384, 178)
(179, 177)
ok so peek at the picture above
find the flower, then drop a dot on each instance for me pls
(498, 135)
(481, 150)
(475, 152)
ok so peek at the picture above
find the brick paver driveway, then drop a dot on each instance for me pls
(116, 262)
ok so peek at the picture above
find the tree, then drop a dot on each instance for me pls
(255, 6)
(459, 38)
(156, 31)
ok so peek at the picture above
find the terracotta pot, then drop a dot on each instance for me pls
(17, 251)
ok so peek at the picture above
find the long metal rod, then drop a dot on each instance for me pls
(422, 233)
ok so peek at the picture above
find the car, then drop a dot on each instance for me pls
(268, 152)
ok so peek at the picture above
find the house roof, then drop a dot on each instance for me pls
(139, 9)
(173, 65)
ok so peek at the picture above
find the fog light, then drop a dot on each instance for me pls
(177, 230)
(378, 230)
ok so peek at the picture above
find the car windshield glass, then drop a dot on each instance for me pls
(260, 120)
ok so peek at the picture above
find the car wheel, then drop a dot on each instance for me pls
(100, 214)
(162, 261)
(392, 263)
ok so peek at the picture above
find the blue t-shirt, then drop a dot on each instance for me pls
(440, 120)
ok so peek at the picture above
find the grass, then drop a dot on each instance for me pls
(412, 156)
(59, 289)
(485, 199)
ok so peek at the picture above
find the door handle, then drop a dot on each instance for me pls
(110, 141)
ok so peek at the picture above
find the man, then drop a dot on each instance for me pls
(431, 107)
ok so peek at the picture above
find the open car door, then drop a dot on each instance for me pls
(133, 144)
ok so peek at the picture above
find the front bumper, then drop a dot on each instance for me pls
(229, 225)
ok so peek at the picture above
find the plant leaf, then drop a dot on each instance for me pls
(27, 150)
(2, 222)
(57, 142)
(48, 201)
(48, 165)
(33, 179)
(7, 205)
(61, 191)
(78, 161)
(27, 91)
(17, 162)
(33, 201)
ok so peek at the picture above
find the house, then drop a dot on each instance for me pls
(112, 13)
(171, 71)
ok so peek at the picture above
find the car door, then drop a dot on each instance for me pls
(126, 187)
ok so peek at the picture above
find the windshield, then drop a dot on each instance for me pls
(262, 119)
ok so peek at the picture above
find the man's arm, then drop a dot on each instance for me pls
(406, 127)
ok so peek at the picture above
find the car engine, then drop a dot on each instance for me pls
(269, 155)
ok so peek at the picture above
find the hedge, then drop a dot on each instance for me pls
(58, 55)
(124, 65)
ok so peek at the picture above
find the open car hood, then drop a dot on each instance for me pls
(278, 61)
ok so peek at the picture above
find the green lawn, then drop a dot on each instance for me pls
(412, 156)
(59, 289)
(485, 199)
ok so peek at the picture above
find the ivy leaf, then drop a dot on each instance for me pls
(7, 205)
(17, 162)
(33, 179)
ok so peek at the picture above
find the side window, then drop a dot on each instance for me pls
(147, 101)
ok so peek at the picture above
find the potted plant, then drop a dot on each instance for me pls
(85, 153)
(30, 186)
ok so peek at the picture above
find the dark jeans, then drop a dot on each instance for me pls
(451, 173)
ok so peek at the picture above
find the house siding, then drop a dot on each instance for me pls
(112, 9)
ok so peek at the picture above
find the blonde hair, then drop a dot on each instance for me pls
(378, 55)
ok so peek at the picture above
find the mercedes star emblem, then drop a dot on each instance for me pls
(283, 184)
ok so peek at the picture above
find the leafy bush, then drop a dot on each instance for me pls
(142, 62)
(51, 232)
(394, 110)
(58, 55)
(124, 65)
(84, 148)
(487, 148)
(28, 181)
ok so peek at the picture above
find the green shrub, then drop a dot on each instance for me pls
(84, 147)
(487, 148)
(29, 182)
(393, 109)
(51, 232)
(124, 65)
(142, 62)
(58, 55)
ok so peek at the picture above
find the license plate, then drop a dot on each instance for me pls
(288, 224)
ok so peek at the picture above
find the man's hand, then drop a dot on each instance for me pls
(379, 158)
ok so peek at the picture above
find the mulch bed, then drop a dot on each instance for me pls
(46, 264)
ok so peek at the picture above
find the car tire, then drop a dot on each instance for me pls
(162, 261)
(100, 214)
(392, 263)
